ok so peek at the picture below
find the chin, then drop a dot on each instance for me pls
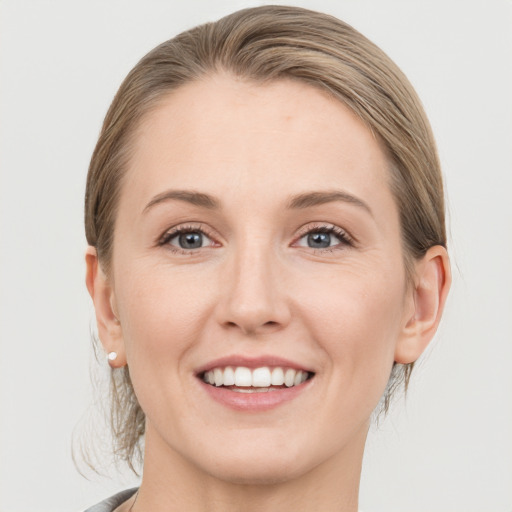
(259, 459)
(267, 471)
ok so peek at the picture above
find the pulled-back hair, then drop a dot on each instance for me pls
(265, 44)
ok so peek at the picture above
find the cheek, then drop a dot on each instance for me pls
(356, 319)
(162, 312)
(163, 317)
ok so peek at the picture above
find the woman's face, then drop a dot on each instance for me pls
(256, 230)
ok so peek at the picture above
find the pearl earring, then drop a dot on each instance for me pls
(112, 356)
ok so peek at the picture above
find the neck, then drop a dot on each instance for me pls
(171, 482)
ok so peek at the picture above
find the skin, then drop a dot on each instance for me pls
(257, 287)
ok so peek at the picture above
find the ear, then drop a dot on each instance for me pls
(103, 297)
(431, 286)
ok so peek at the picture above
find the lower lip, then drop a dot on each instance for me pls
(257, 401)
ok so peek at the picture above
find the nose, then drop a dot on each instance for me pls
(253, 293)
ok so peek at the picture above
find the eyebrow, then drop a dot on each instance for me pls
(188, 196)
(309, 199)
(297, 202)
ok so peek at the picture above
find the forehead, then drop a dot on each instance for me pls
(231, 136)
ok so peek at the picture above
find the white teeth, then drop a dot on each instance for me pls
(243, 377)
(219, 377)
(300, 377)
(229, 376)
(277, 377)
(262, 378)
(289, 377)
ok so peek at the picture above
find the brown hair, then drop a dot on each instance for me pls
(264, 44)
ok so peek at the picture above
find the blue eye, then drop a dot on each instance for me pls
(319, 240)
(325, 237)
(185, 238)
(189, 240)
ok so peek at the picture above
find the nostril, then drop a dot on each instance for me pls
(250, 327)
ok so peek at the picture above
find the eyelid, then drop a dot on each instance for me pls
(170, 233)
(346, 238)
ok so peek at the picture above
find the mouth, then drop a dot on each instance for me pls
(241, 379)
(254, 384)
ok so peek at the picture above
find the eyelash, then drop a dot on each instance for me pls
(341, 234)
(169, 235)
(345, 239)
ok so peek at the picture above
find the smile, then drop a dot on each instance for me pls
(246, 380)
(254, 385)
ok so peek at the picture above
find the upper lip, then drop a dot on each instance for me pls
(251, 362)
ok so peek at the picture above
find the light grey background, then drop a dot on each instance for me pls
(450, 447)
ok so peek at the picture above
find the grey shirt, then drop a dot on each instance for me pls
(113, 502)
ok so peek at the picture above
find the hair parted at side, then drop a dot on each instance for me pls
(265, 44)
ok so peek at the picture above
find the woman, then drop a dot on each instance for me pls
(267, 259)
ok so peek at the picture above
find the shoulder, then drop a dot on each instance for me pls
(113, 502)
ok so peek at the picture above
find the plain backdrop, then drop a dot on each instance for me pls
(449, 447)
